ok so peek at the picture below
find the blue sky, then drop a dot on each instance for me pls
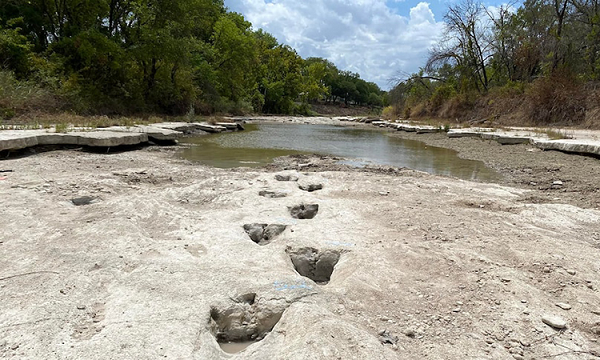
(375, 38)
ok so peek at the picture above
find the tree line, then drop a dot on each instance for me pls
(544, 56)
(157, 56)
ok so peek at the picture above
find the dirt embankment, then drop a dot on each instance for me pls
(153, 260)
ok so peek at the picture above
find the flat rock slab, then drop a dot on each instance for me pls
(578, 146)
(108, 138)
(20, 139)
(230, 126)
(153, 132)
(591, 147)
(506, 139)
(416, 128)
(177, 126)
(210, 128)
(554, 321)
(455, 134)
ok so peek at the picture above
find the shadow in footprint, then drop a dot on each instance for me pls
(82, 201)
(304, 211)
(314, 264)
(262, 234)
(272, 194)
(310, 187)
(243, 323)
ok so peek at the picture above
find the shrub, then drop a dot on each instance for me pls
(17, 97)
(388, 113)
(556, 99)
(407, 112)
(458, 106)
(441, 95)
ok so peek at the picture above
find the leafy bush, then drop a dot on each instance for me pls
(440, 95)
(388, 113)
(17, 96)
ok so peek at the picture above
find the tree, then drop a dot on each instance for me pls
(465, 44)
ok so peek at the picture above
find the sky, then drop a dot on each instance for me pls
(378, 39)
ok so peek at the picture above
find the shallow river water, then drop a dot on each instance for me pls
(260, 144)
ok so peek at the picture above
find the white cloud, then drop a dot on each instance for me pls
(363, 36)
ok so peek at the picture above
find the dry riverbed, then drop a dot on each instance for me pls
(154, 261)
(553, 175)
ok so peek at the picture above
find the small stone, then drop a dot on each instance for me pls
(526, 312)
(518, 357)
(557, 183)
(564, 306)
(571, 272)
(506, 280)
(524, 301)
(456, 310)
(546, 270)
(554, 321)
(80, 307)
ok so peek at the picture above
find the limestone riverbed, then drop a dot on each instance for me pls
(159, 263)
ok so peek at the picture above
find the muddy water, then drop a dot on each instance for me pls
(235, 347)
(260, 144)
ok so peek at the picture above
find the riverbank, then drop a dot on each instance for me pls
(428, 266)
(551, 176)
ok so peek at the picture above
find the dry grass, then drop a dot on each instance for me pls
(38, 120)
(557, 134)
(217, 119)
(556, 100)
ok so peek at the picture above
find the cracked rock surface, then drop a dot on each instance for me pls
(149, 271)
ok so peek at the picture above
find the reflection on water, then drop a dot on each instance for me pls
(260, 144)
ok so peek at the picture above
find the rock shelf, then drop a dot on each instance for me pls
(584, 142)
(106, 137)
